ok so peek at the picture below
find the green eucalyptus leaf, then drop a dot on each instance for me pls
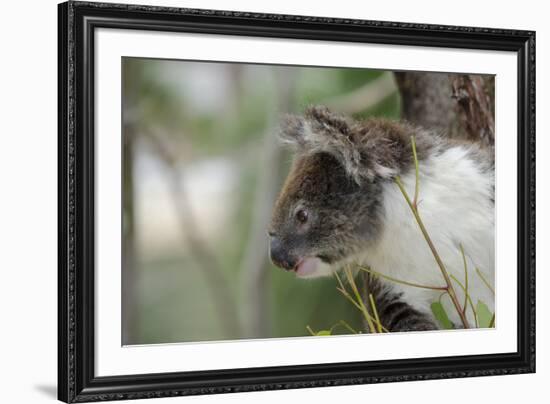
(441, 315)
(322, 333)
(484, 315)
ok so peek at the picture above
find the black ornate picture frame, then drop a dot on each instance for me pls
(78, 21)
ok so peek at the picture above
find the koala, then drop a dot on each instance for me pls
(340, 205)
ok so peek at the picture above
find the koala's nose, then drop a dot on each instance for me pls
(280, 256)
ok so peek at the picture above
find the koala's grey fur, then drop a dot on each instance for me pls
(395, 313)
(339, 167)
(378, 148)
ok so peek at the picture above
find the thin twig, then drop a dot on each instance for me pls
(416, 285)
(344, 292)
(339, 281)
(441, 295)
(438, 260)
(363, 310)
(465, 277)
(346, 325)
(452, 293)
(485, 280)
(467, 296)
(492, 322)
(373, 307)
(359, 303)
(417, 174)
(348, 296)
(353, 286)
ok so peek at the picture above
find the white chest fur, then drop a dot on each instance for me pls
(455, 203)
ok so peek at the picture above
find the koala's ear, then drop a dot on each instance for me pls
(293, 131)
(321, 130)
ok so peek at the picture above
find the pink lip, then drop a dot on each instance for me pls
(306, 266)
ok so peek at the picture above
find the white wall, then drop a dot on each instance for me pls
(28, 197)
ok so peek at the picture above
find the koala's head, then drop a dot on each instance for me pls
(329, 209)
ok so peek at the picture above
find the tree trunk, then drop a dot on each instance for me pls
(129, 269)
(456, 105)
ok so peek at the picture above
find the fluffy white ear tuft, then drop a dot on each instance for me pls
(292, 131)
(321, 130)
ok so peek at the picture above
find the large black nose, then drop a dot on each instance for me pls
(280, 256)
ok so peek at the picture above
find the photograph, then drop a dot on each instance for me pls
(284, 201)
(252, 201)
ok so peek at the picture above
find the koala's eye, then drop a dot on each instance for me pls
(301, 215)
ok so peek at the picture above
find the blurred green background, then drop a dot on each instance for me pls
(201, 169)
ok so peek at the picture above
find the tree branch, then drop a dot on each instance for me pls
(364, 97)
(225, 304)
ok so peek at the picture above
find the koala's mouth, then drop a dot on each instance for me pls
(313, 267)
(308, 266)
(305, 267)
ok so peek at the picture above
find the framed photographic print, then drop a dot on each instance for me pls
(255, 202)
